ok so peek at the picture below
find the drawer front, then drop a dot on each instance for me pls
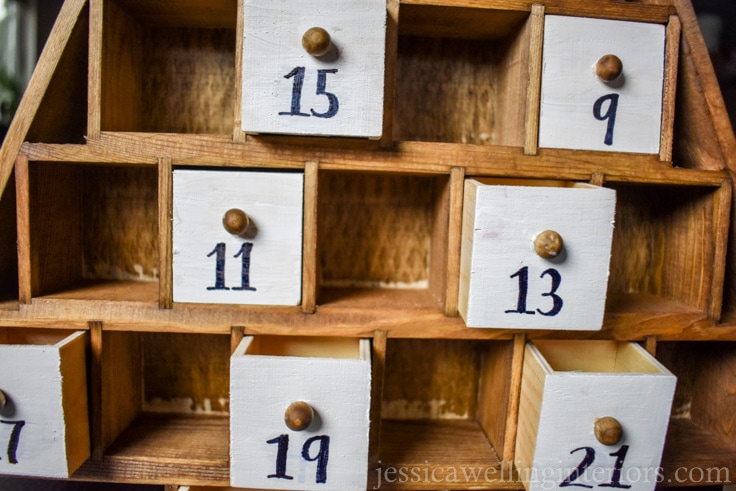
(506, 283)
(582, 110)
(261, 265)
(287, 89)
(330, 454)
(44, 430)
(566, 439)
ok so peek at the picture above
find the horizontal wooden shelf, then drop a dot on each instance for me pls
(165, 449)
(347, 154)
(357, 312)
(438, 454)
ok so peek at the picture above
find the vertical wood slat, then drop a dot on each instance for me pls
(512, 410)
(392, 45)
(454, 240)
(237, 333)
(722, 202)
(238, 133)
(378, 368)
(94, 87)
(534, 91)
(309, 250)
(165, 193)
(23, 206)
(95, 386)
(669, 92)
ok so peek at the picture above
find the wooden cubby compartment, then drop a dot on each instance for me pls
(164, 400)
(700, 441)
(444, 405)
(392, 231)
(668, 248)
(167, 68)
(93, 232)
(462, 75)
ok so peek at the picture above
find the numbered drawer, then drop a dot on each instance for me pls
(535, 254)
(44, 429)
(299, 413)
(237, 237)
(602, 84)
(314, 68)
(592, 414)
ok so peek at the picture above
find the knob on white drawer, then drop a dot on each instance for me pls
(316, 41)
(3, 400)
(548, 244)
(298, 416)
(607, 430)
(609, 68)
(235, 221)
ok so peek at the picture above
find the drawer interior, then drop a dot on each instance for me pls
(305, 347)
(596, 357)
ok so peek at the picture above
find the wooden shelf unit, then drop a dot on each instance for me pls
(128, 90)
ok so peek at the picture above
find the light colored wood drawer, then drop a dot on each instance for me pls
(259, 266)
(506, 283)
(288, 90)
(329, 379)
(44, 428)
(579, 110)
(568, 388)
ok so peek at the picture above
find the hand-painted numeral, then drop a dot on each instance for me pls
(296, 93)
(523, 280)
(283, 443)
(580, 469)
(244, 252)
(588, 460)
(321, 458)
(14, 439)
(610, 114)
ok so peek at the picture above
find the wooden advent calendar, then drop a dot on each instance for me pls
(370, 245)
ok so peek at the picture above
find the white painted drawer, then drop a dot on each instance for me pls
(330, 375)
(566, 387)
(44, 429)
(288, 90)
(262, 265)
(580, 111)
(505, 283)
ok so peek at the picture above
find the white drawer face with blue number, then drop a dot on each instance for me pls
(535, 256)
(44, 429)
(299, 413)
(592, 414)
(314, 68)
(237, 237)
(602, 85)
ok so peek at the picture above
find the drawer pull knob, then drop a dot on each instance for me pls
(608, 430)
(3, 400)
(548, 244)
(235, 221)
(609, 68)
(298, 416)
(316, 41)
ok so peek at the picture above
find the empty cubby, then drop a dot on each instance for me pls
(462, 74)
(93, 231)
(393, 236)
(700, 444)
(445, 404)
(668, 249)
(168, 68)
(8, 249)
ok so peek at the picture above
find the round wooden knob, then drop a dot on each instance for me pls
(548, 244)
(607, 430)
(316, 41)
(235, 221)
(609, 68)
(3, 400)
(298, 416)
